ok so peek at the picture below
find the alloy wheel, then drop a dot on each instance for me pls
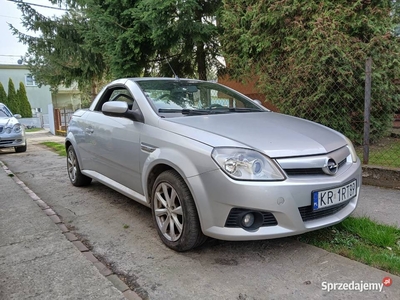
(71, 165)
(168, 212)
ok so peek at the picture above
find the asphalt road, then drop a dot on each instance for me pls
(121, 233)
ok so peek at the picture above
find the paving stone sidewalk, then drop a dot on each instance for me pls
(37, 261)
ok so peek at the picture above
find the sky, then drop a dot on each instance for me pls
(10, 49)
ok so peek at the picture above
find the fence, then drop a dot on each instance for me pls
(348, 100)
(36, 122)
(61, 119)
(62, 116)
(385, 151)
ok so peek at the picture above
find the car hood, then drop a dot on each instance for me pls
(275, 134)
(8, 121)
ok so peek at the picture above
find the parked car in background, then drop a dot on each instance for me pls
(211, 162)
(12, 133)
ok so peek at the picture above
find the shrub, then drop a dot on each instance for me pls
(308, 58)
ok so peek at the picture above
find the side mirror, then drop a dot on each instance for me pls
(120, 109)
(18, 116)
(257, 101)
(114, 108)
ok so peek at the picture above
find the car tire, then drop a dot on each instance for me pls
(176, 219)
(20, 149)
(74, 171)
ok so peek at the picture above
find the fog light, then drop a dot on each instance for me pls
(248, 220)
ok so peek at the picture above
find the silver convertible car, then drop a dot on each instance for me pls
(12, 133)
(211, 162)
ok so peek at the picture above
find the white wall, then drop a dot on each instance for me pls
(37, 97)
(50, 109)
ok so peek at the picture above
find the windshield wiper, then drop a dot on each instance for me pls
(185, 111)
(170, 110)
(243, 109)
(208, 111)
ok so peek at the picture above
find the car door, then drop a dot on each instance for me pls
(114, 142)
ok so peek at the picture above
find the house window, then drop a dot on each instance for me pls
(30, 80)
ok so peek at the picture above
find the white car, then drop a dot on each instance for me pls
(12, 133)
(211, 162)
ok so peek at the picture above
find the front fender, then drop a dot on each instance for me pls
(188, 163)
(70, 140)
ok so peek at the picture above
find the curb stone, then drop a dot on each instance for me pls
(103, 269)
(381, 176)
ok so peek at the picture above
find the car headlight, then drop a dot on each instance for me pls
(246, 164)
(351, 149)
(17, 128)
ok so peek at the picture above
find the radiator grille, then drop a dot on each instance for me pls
(307, 213)
(309, 171)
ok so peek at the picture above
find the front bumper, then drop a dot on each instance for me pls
(216, 195)
(12, 140)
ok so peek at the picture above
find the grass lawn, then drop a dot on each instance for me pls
(385, 153)
(57, 147)
(361, 239)
(32, 129)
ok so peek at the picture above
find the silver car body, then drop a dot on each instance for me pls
(12, 133)
(124, 155)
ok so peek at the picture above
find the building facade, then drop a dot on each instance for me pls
(39, 97)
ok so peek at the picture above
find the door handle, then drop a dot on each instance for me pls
(89, 130)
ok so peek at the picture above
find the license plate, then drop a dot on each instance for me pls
(334, 196)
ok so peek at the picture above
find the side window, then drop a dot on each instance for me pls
(117, 94)
(5, 112)
(30, 80)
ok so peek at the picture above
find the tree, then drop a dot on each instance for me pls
(146, 37)
(185, 33)
(24, 105)
(113, 29)
(3, 95)
(59, 55)
(308, 58)
(127, 38)
(12, 100)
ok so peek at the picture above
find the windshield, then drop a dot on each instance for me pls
(172, 98)
(4, 112)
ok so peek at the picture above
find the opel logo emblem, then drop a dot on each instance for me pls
(331, 167)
